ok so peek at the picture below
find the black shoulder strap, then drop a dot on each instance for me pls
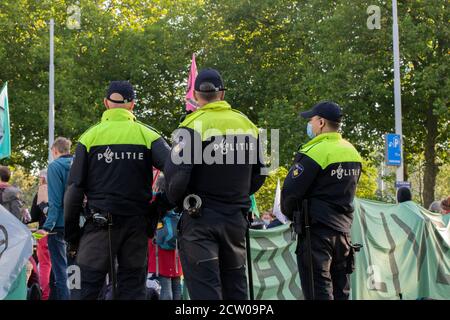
(1, 195)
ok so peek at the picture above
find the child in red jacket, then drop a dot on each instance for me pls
(165, 264)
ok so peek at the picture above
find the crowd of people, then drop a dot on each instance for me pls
(107, 212)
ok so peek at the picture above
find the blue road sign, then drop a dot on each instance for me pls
(393, 149)
(399, 184)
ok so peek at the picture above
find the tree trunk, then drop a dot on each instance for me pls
(405, 170)
(431, 168)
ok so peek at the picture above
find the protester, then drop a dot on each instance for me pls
(435, 207)
(58, 171)
(403, 194)
(267, 217)
(34, 291)
(163, 262)
(10, 196)
(445, 205)
(166, 265)
(39, 211)
(270, 221)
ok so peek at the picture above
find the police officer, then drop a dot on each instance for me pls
(113, 169)
(213, 169)
(326, 171)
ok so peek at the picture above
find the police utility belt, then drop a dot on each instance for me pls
(192, 205)
(99, 218)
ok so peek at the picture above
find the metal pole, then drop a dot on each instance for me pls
(249, 218)
(51, 106)
(249, 264)
(308, 249)
(397, 89)
(112, 262)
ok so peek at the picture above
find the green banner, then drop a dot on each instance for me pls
(275, 272)
(5, 136)
(406, 252)
(406, 255)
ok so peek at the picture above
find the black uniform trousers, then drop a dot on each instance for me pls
(130, 248)
(330, 257)
(213, 255)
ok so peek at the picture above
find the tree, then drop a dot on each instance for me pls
(277, 57)
(129, 39)
(26, 182)
(367, 185)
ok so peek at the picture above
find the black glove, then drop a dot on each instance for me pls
(157, 209)
(160, 205)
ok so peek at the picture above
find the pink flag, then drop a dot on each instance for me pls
(156, 173)
(191, 105)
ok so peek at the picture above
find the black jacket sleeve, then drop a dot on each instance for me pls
(258, 177)
(35, 211)
(299, 179)
(179, 164)
(73, 198)
(160, 153)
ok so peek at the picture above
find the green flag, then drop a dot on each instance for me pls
(5, 137)
(254, 207)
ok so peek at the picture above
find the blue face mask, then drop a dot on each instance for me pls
(309, 131)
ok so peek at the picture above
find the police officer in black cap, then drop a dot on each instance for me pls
(113, 170)
(318, 195)
(213, 169)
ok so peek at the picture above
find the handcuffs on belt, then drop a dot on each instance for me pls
(192, 204)
(100, 219)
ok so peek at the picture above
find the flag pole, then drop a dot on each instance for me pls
(51, 106)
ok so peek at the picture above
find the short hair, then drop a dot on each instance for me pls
(5, 173)
(445, 204)
(404, 194)
(62, 145)
(208, 96)
(269, 213)
(333, 124)
(43, 174)
(435, 206)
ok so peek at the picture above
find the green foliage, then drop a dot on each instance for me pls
(277, 57)
(367, 185)
(26, 182)
(443, 182)
(266, 195)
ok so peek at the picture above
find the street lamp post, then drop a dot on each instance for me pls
(397, 88)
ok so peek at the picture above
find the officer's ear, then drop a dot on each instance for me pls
(131, 106)
(322, 123)
(222, 95)
(105, 102)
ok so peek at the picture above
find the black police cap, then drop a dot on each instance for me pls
(326, 109)
(212, 76)
(124, 88)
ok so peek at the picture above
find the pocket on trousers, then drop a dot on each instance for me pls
(350, 268)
